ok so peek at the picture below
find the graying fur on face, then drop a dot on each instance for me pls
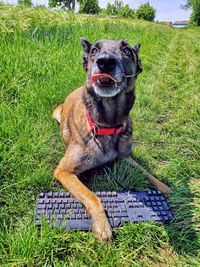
(125, 72)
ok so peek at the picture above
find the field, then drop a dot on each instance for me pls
(40, 64)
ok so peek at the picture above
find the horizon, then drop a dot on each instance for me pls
(165, 10)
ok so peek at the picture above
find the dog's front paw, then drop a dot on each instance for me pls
(101, 228)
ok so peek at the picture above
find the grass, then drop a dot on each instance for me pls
(40, 64)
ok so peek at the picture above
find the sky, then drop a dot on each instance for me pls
(166, 10)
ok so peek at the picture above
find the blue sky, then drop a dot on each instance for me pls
(167, 10)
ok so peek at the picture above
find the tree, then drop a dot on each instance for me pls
(53, 3)
(68, 4)
(89, 6)
(25, 2)
(195, 6)
(126, 12)
(114, 9)
(118, 9)
(146, 12)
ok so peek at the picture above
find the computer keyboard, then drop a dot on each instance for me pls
(60, 208)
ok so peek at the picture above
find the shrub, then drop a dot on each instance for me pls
(126, 12)
(114, 9)
(118, 9)
(146, 12)
(27, 3)
(89, 6)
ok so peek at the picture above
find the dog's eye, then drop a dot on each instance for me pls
(94, 51)
(127, 51)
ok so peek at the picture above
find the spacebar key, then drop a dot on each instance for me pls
(86, 224)
(77, 224)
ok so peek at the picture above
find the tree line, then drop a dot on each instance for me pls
(145, 11)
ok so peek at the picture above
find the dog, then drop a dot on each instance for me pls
(95, 123)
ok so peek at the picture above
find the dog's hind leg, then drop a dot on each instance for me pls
(57, 113)
(158, 184)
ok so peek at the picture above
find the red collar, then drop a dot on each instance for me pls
(96, 130)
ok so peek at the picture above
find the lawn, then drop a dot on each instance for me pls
(40, 64)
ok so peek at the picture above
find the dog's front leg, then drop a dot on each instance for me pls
(100, 225)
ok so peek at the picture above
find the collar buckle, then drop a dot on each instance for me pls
(95, 130)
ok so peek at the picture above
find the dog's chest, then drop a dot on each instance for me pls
(100, 151)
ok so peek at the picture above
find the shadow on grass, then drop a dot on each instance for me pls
(181, 232)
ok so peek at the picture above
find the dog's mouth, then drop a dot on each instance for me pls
(103, 80)
(106, 85)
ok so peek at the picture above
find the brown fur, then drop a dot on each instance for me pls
(85, 151)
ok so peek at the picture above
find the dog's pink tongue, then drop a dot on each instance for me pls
(97, 76)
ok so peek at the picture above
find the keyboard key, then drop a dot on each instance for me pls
(140, 204)
(116, 222)
(124, 219)
(166, 218)
(41, 211)
(123, 209)
(41, 206)
(116, 210)
(73, 216)
(155, 208)
(121, 214)
(73, 224)
(86, 224)
(170, 217)
(49, 194)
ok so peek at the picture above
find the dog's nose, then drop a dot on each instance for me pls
(106, 62)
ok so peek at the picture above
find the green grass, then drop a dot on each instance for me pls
(40, 64)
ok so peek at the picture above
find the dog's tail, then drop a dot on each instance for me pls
(57, 113)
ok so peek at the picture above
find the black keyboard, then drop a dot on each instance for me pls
(62, 209)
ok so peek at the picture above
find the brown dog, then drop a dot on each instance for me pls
(95, 122)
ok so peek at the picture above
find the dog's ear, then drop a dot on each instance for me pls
(136, 50)
(86, 50)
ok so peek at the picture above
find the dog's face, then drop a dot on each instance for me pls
(111, 66)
